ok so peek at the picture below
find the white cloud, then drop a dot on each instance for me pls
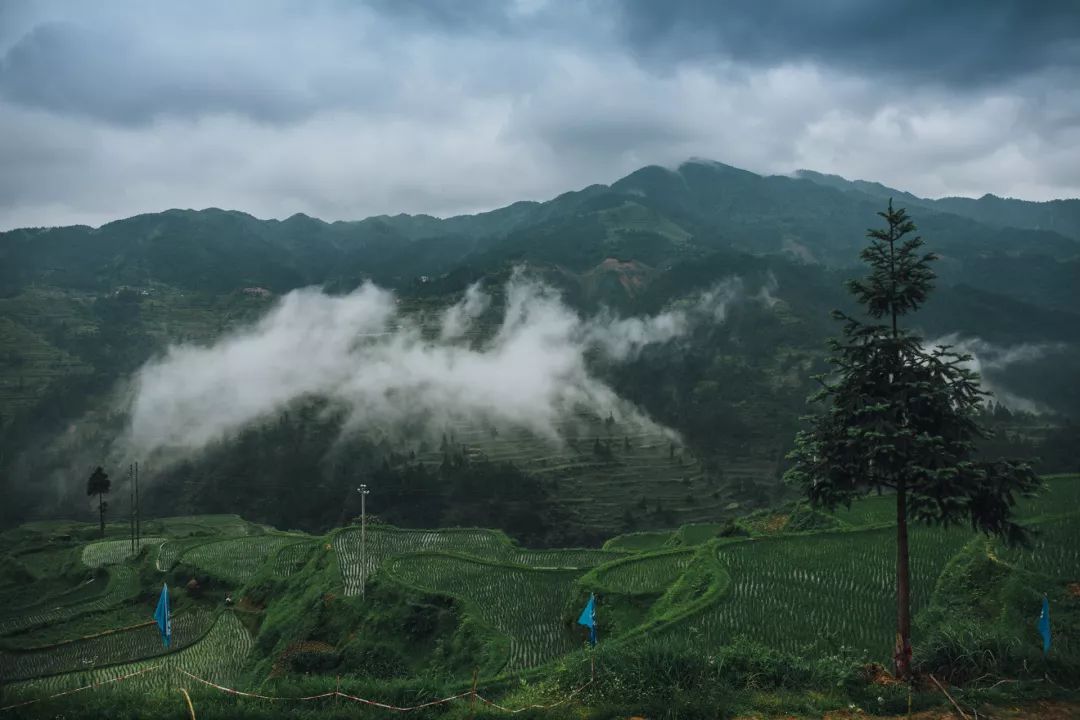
(989, 359)
(460, 317)
(387, 372)
(379, 366)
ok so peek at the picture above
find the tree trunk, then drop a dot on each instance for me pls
(101, 512)
(902, 649)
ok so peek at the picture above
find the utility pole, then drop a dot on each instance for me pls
(138, 513)
(131, 507)
(363, 538)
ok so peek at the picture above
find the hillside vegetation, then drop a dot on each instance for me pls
(82, 308)
(779, 601)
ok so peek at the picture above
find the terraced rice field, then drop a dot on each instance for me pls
(597, 489)
(1054, 551)
(291, 558)
(870, 510)
(123, 584)
(203, 525)
(639, 541)
(1061, 494)
(169, 552)
(385, 543)
(571, 558)
(800, 594)
(797, 593)
(107, 649)
(39, 365)
(112, 552)
(218, 656)
(647, 575)
(698, 533)
(236, 560)
(525, 605)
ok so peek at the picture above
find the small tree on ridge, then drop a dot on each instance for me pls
(99, 485)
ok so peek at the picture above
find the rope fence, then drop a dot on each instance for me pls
(91, 686)
(469, 694)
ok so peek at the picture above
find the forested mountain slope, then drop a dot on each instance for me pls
(82, 308)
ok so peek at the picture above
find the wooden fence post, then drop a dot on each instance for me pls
(472, 697)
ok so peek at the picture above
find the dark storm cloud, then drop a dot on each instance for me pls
(275, 62)
(132, 68)
(949, 41)
(61, 66)
(345, 109)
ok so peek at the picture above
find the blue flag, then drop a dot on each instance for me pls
(164, 622)
(588, 618)
(1044, 625)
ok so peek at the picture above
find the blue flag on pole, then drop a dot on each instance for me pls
(161, 615)
(1044, 624)
(588, 618)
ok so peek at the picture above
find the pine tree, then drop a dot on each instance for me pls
(99, 485)
(901, 417)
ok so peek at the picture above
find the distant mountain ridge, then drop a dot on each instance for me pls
(1061, 216)
(655, 215)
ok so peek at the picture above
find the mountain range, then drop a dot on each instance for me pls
(82, 307)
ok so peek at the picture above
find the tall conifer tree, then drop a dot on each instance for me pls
(901, 417)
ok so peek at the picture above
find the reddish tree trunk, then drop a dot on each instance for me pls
(902, 649)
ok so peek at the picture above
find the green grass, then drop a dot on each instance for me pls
(122, 584)
(640, 541)
(235, 560)
(39, 575)
(218, 656)
(698, 533)
(808, 593)
(1054, 550)
(870, 510)
(523, 604)
(597, 491)
(169, 552)
(291, 558)
(28, 365)
(384, 542)
(121, 615)
(112, 552)
(646, 575)
(109, 648)
(1060, 494)
(575, 558)
(814, 594)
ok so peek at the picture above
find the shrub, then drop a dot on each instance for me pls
(374, 660)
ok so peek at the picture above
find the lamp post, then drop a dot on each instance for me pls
(363, 538)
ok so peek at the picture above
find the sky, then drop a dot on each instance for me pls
(343, 110)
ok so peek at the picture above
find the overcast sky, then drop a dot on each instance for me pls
(346, 109)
